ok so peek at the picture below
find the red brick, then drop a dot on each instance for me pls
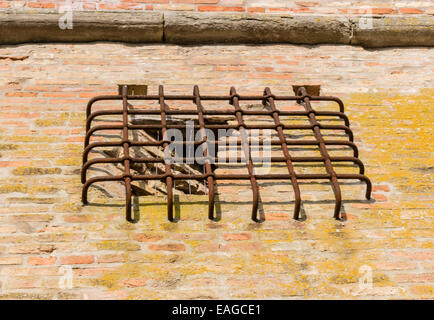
(41, 261)
(232, 68)
(306, 3)
(21, 94)
(56, 132)
(21, 115)
(203, 282)
(291, 108)
(111, 258)
(424, 277)
(33, 249)
(14, 163)
(192, 236)
(75, 139)
(76, 218)
(87, 259)
(143, 237)
(40, 5)
(7, 229)
(43, 88)
(373, 64)
(379, 197)
(237, 236)
(89, 6)
(300, 10)
(264, 69)
(219, 8)
(196, 1)
(96, 272)
(209, 247)
(10, 260)
(383, 11)
(256, 9)
(410, 10)
(428, 266)
(422, 290)
(133, 283)
(384, 188)
(278, 9)
(146, 1)
(276, 216)
(414, 255)
(93, 94)
(167, 247)
(244, 246)
(24, 282)
(59, 95)
(270, 75)
(396, 266)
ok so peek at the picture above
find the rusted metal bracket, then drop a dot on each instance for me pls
(269, 99)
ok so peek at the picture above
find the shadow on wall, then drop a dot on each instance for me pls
(221, 205)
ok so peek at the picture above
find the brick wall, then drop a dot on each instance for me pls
(403, 7)
(53, 247)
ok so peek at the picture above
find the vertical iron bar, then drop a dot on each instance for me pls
(328, 164)
(289, 165)
(168, 170)
(247, 152)
(126, 149)
(208, 168)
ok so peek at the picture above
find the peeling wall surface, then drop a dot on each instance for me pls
(52, 247)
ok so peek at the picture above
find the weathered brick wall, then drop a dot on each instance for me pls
(45, 232)
(251, 6)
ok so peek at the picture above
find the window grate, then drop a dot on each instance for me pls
(169, 177)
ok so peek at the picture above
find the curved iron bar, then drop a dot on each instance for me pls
(228, 98)
(289, 142)
(93, 161)
(104, 127)
(95, 114)
(288, 160)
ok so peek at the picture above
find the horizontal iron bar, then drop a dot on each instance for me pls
(272, 142)
(225, 177)
(94, 114)
(227, 160)
(211, 98)
(217, 126)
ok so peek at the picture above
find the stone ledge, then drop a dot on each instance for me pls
(394, 31)
(87, 26)
(202, 28)
(244, 28)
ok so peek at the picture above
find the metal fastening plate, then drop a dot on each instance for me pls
(134, 89)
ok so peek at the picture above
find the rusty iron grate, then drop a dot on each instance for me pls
(164, 112)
